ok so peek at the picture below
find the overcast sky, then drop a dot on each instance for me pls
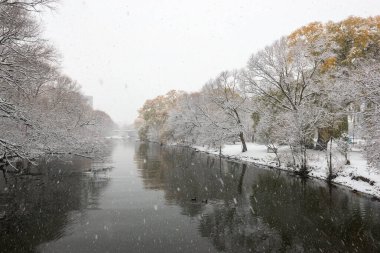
(124, 52)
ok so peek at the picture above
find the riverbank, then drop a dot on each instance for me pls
(358, 176)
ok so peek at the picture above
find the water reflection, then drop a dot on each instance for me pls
(37, 208)
(170, 199)
(312, 217)
(253, 210)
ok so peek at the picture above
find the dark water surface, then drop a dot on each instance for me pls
(146, 203)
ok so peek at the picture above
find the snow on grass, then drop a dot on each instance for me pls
(358, 175)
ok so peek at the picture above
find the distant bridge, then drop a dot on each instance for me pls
(126, 133)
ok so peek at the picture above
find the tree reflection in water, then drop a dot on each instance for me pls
(255, 210)
(38, 208)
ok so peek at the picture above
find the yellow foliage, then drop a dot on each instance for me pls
(309, 33)
(352, 38)
(355, 37)
(328, 64)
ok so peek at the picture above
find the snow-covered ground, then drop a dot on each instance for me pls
(359, 176)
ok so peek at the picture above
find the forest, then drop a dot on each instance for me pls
(42, 110)
(316, 89)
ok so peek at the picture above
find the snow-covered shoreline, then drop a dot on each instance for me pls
(357, 176)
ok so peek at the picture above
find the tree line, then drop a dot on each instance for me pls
(42, 111)
(301, 91)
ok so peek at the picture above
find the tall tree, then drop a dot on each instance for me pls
(154, 114)
(225, 93)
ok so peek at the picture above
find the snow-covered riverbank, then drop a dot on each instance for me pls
(357, 176)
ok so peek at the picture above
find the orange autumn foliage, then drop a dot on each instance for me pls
(348, 40)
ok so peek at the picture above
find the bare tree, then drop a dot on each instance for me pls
(224, 92)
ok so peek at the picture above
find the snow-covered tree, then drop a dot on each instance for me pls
(366, 79)
(154, 114)
(285, 76)
(195, 120)
(186, 119)
(41, 111)
(230, 103)
(218, 114)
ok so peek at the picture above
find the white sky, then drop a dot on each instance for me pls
(123, 52)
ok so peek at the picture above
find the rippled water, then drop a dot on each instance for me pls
(168, 199)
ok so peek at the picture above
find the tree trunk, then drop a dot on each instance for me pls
(322, 140)
(241, 135)
(330, 162)
(303, 170)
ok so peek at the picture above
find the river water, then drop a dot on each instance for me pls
(171, 199)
